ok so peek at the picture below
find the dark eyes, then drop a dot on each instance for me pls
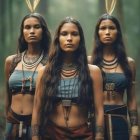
(64, 33)
(35, 26)
(105, 27)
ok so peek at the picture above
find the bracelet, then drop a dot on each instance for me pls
(35, 130)
(135, 130)
(99, 129)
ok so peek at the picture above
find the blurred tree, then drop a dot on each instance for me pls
(3, 6)
(43, 8)
(87, 11)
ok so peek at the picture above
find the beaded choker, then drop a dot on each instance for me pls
(69, 70)
(112, 64)
(31, 65)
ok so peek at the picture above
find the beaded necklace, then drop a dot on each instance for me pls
(112, 64)
(31, 65)
(67, 100)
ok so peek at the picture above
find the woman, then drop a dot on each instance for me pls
(67, 89)
(21, 70)
(119, 76)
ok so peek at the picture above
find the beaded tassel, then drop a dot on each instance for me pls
(31, 80)
(23, 85)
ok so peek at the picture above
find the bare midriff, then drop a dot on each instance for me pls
(22, 104)
(74, 119)
(113, 98)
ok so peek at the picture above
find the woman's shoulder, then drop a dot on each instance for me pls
(10, 58)
(89, 58)
(130, 60)
(95, 72)
(131, 63)
(42, 69)
(8, 64)
(94, 69)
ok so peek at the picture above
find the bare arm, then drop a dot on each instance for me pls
(132, 105)
(98, 99)
(8, 97)
(36, 107)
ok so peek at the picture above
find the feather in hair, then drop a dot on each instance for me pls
(32, 6)
(110, 6)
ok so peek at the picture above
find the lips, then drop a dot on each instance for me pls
(107, 38)
(32, 37)
(69, 45)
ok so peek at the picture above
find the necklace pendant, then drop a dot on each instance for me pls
(110, 87)
(66, 103)
(66, 118)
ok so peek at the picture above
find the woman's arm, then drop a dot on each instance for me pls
(131, 101)
(8, 98)
(98, 100)
(36, 108)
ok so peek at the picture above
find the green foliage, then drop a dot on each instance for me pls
(132, 22)
(87, 11)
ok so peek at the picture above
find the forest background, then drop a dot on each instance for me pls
(86, 11)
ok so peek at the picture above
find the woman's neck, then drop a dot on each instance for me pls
(33, 50)
(108, 53)
(68, 58)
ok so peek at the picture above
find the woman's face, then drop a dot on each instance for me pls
(32, 30)
(69, 37)
(107, 32)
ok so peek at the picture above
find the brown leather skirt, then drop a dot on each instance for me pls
(54, 132)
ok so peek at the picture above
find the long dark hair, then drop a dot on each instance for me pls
(46, 36)
(51, 76)
(118, 47)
